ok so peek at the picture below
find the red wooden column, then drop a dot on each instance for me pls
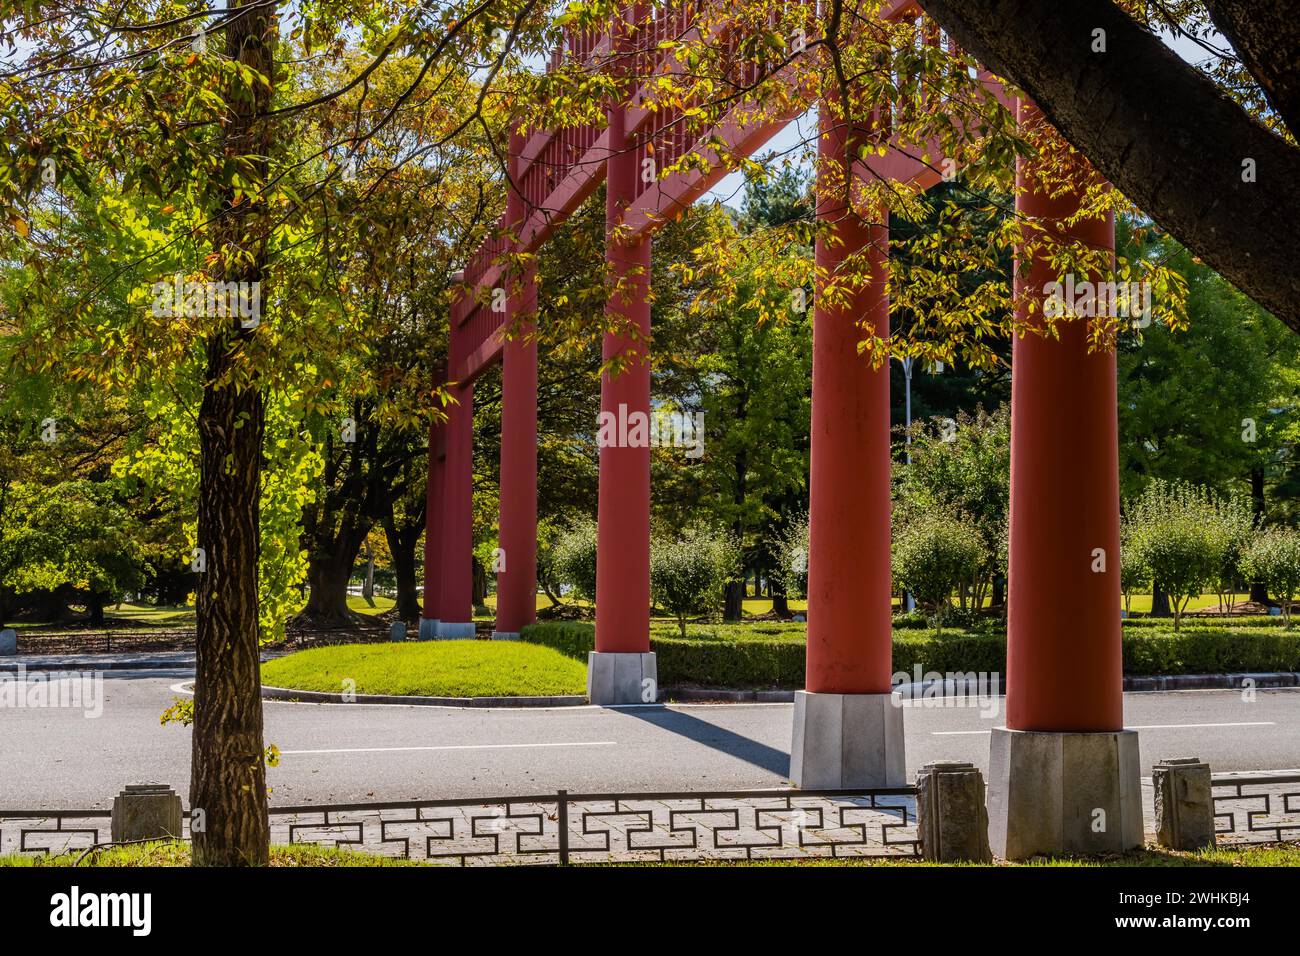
(621, 665)
(517, 528)
(1063, 617)
(1064, 774)
(433, 505)
(455, 606)
(847, 730)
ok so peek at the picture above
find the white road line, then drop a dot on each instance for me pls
(1245, 723)
(372, 750)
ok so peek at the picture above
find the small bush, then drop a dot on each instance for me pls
(1174, 531)
(687, 575)
(1273, 558)
(790, 548)
(933, 553)
(573, 558)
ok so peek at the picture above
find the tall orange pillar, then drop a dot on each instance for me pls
(1064, 774)
(517, 526)
(433, 506)
(621, 670)
(456, 605)
(848, 731)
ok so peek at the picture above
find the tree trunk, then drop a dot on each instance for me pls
(780, 600)
(1156, 127)
(95, 607)
(228, 800)
(228, 773)
(1159, 602)
(1258, 593)
(401, 544)
(328, 574)
(368, 589)
(999, 591)
(479, 576)
(733, 608)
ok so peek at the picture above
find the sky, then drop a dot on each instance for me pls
(730, 191)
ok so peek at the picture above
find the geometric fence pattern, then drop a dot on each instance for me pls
(565, 827)
(561, 827)
(1256, 807)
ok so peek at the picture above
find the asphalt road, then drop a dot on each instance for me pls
(57, 757)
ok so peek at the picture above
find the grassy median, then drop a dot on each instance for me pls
(431, 669)
(178, 854)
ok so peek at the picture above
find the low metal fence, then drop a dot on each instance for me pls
(1256, 807)
(561, 827)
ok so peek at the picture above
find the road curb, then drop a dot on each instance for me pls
(1213, 681)
(705, 694)
(83, 663)
(323, 697)
(90, 664)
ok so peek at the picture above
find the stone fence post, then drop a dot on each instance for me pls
(1184, 803)
(952, 819)
(147, 811)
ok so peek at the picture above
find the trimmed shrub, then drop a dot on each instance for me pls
(687, 575)
(573, 558)
(742, 656)
(1173, 530)
(790, 547)
(934, 553)
(1273, 558)
(1134, 572)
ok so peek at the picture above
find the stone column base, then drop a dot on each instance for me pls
(1055, 793)
(847, 741)
(451, 630)
(621, 678)
(428, 628)
(505, 635)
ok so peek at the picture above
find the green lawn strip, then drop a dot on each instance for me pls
(1270, 855)
(173, 853)
(170, 853)
(432, 669)
(382, 604)
(773, 655)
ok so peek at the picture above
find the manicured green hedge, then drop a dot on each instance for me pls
(1213, 623)
(1211, 651)
(772, 655)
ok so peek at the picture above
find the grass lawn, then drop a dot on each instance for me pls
(432, 669)
(176, 615)
(174, 853)
(382, 604)
(171, 853)
(1282, 854)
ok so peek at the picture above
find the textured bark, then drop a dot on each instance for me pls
(228, 771)
(1159, 602)
(228, 775)
(402, 540)
(1155, 127)
(780, 600)
(328, 572)
(1258, 592)
(1266, 37)
(478, 575)
(733, 603)
(368, 589)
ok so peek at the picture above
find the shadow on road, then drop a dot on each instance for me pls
(720, 739)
